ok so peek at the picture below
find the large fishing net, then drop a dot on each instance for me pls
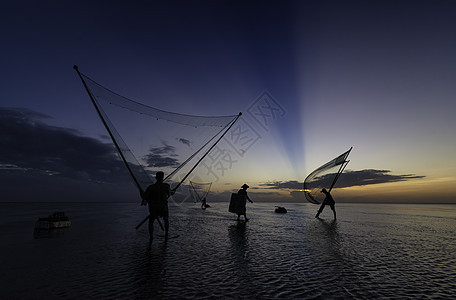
(199, 190)
(324, 177)
(150, 140)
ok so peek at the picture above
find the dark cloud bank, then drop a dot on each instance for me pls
(39, 162)
(349, 179)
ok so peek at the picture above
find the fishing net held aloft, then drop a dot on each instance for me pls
(150, 139)
(324, 177)
(199, 190)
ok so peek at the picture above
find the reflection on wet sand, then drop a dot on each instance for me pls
(239, 247)
(239, 254)
(50, 233)
(150, 280)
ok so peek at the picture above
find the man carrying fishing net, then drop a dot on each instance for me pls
(328, 201)
(156, 195)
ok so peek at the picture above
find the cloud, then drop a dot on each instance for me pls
(160, 157)
(348, 179)
(185, 141)
(371, 176)
(29, 145)
(293, 184)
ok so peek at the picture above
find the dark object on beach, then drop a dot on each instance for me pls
(280, 210)
(236, 204)
(204, 204)
(56, 220)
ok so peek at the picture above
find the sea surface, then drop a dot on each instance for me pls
(372, 251)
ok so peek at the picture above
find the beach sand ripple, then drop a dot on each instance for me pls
(371, 251)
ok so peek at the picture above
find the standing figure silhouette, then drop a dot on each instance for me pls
(244, 197)
(328, 201)
(157, 195)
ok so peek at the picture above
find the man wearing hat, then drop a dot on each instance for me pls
(243, 195)
(328, 201)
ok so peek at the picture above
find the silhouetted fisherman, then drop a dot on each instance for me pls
(204, 204)
(157, 195)
(242, 194)
(328, 201)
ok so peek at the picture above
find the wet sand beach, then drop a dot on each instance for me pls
(370, 251)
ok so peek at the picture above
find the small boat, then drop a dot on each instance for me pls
(56, 220)
(280, 210)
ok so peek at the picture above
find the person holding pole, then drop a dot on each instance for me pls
(156, 196)
(328, 201)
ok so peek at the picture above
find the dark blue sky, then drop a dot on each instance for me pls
(375, 75)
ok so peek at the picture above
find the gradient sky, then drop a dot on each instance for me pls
(375, 75)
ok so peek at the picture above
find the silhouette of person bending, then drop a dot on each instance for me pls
(328, 201)
(204, 204)
(157, 195)
(244, 197)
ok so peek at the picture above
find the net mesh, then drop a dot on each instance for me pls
(151, 140)
(324, 178)
(198, 190)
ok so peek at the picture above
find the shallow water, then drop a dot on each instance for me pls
(371, 251)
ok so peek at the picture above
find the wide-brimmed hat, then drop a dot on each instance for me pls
(245, 186)
(323, 190)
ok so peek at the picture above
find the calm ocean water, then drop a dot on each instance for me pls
(372, 251)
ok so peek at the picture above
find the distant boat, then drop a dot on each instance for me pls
(56, 220)
(280, 210)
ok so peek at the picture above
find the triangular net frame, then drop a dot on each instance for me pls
(150, 140)
(199, 190)
(324, 177)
